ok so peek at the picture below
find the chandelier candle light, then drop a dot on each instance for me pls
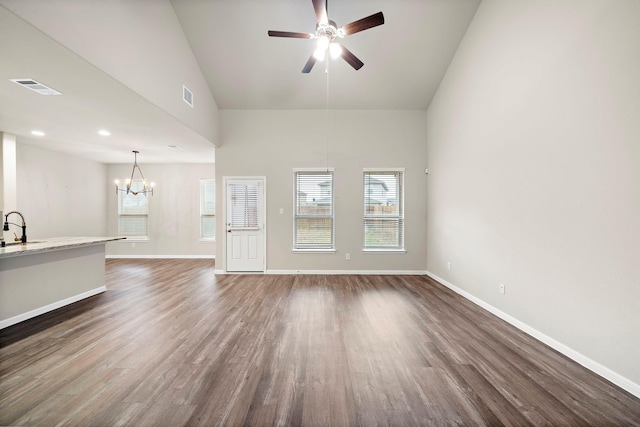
(146, 186)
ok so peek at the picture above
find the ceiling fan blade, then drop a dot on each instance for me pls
(309, 65)
(320, 6)
(351, 58)
(289, 34)
(364, 24)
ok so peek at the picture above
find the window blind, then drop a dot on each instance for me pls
(207, 209)
(383, 209)
(313, 224)
(244, 205)
(133, 225)
(133, 212)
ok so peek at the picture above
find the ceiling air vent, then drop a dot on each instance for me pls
(36, 86)
(187, 96)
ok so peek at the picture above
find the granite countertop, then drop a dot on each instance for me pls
(51, 244)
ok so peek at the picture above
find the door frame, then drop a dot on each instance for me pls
(225, 179)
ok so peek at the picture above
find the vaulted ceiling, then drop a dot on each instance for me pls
(404, 59)
(404, 62)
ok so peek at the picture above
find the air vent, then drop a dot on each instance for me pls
(187, 96)
(36, 86)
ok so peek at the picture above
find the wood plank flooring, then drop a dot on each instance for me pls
(170, 344)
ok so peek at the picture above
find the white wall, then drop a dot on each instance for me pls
(534, 148)
(136, 39)
(8, 173)
(62, 195)
(58, 194)
(272, 143)
(174, 211)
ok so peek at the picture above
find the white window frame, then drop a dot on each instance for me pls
(321, 247)
(123, 216)
(399, 217)
(207, 212)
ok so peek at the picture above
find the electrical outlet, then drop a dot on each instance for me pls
(502, 288)
(133, 245)
(347, 257)
(449, 266)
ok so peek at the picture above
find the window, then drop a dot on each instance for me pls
(244, 199)
(313, 209)
(207, 209)
(383, 209)
(133, 212)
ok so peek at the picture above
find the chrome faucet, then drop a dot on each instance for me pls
(22, 239)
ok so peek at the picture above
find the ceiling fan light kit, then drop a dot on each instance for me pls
(326, 34)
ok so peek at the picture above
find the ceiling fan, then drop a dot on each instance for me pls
(327, 32)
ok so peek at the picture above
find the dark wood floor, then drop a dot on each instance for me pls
(170, 344)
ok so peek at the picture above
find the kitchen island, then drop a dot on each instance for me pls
(43, 275)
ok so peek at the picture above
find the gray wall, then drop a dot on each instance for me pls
(272, 143)
(534, 148)
(59, 195)
(174, 211)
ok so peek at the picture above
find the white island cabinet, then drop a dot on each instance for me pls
(41, 276)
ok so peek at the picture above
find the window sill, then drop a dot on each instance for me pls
(313, 251)
(384, 251)
(201, 240)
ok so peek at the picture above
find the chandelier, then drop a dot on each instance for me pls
(147, 187)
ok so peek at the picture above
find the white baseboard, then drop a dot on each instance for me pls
(576, 356)
(352, 272)
(50, 307)
(160, 256)
(334, 272)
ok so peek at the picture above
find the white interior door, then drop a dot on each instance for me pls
(245, 224)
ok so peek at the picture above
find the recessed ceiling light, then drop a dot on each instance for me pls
(104, 132)
(175, 148)
(37, 133)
